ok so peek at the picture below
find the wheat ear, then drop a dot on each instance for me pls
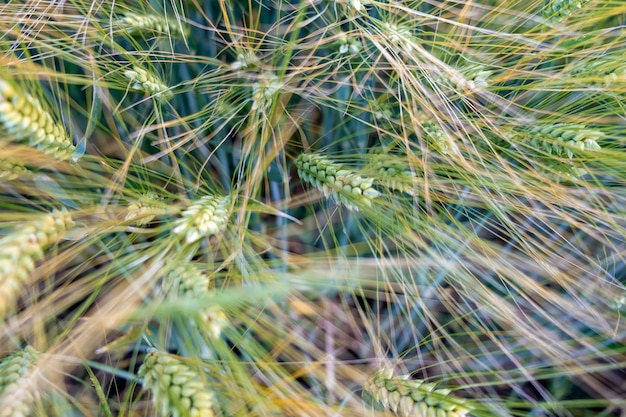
(414, 398)
(23, 117)
(562, 139)
(143, 210)
(17, 395)
(148, 83)
(20, 249)
(207, 216)
(177, 388)
(188, 281)
(345, 186)
(10, 170)
(138, 24)
(560, 9)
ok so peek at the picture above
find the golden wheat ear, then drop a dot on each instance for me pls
(177, 388)
(17, 395)
(20, 250)
(414, 398)
(345, 186)
(24, 118)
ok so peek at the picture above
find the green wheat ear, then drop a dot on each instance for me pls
(20, 249)
(139, 24)
(24, 118)
(146, 82)
(345, 186)
(177, 388)
(205, 217)
(414, 398)
(187, 280)
(560, 9)
(16, 392)
(562, 139)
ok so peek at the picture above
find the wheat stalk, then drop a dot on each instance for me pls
(17, 394)
(20, 249)
(138, 24)
(23, 117)
(177, 388)
(414, 398)
(345, 186)
(148, 83)
(207, 216)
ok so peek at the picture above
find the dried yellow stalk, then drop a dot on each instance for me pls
(24, 118)
(20, 249)
(207, 216)
(177, 388)
(17, 395)
(414, 398)
(345, 186)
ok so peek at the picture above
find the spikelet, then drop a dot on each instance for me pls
(347, 44)
(263, 91)
(562, 139)
(186, 280)
(207, 216)
(17, 395)
(414, 398)
(138, 24)
(177, 388)
(438, 138)
(345, 186)
(399, 35)
(20, 249)
(393, 172)
(148, 83)
(607, 69)
(560, 9)
(24, 118)
(143, 210)
(10, 170)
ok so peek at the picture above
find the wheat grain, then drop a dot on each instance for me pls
(138, 24)
(205, 217)
(345, 186)
(148, 83)
(20, 249)
(17, 395)
(414, 398)
(23, 117)
(177, 388)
